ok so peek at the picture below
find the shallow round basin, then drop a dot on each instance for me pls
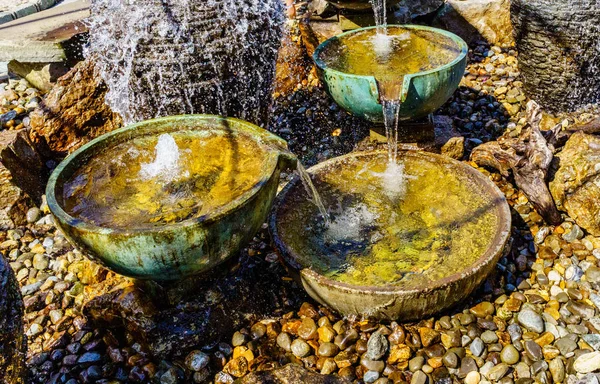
(403, 241)
(167, 198)
(420, 66)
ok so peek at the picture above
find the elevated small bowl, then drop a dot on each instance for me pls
(173, 251)
(386, 301)
(421, 94)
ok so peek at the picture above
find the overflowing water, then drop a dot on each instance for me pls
(163, 58)
(313, 194)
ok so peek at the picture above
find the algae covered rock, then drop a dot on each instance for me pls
(576, 184)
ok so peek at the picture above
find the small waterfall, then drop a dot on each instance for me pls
(314, 196)
(169, 57)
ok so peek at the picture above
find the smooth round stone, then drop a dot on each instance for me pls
(284, 341)
(300, 348)
(473, 377)
(498, 372)
(33, 215)
(510, 355)
(531, 320)
(238, 339)
(489, 337)
(372, 365)
(55, 315)
(483, 309)
(587, 363)
(197, 360)
(477, 347)
(592, 274)
(328, 349)
(450, 360)
(416, 363)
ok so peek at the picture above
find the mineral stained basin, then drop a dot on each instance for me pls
(170, 197)
(420, 66)
(403, 242)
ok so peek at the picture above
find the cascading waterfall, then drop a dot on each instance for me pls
(169, 57)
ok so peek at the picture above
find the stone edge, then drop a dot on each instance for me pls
(26, 10)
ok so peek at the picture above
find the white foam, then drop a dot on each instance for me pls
(382, 45)
(350, 222)
(394, 180)
(165, 165)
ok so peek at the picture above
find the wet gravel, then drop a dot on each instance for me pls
(534, 320)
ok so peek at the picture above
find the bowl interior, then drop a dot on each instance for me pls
(388, 56)
(163, 172)
(423, 222)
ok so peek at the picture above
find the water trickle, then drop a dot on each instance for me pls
(313, 194)
(380, 11)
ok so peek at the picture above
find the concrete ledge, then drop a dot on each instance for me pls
(26, 10)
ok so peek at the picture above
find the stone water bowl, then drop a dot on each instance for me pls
(447, 228)
(209, 218)
(421, 92)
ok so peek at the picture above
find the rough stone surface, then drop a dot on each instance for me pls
(575, 186)
(25, 164)
(72, 113)
(470, 19)
(558, 51)
(13, 343)
(291, 374)
(14, 202)
(41, 75)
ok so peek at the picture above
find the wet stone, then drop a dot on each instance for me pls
(466, 365)
(377, 346)
(300, 348)
(477, 347)
(196, 360)
(416, 363)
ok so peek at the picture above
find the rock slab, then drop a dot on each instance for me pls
(472, 19)
(576, 183)
(72, 113)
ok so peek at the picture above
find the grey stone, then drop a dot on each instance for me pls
(377, 346)
(531, 320)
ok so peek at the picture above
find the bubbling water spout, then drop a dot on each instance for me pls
(166, 161)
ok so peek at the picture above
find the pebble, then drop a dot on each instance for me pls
(531, 320)
(473, 377)
(300, 348)
(587, 363)
(510, 355)
(377, 346)
(477, 347)
(196, 361)
(33, 215)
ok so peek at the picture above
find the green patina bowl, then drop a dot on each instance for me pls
(421, 91)
(157, 249)
(403, 255)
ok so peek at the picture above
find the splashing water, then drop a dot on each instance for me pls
(163, 58)
(380, 11)
(165, 166)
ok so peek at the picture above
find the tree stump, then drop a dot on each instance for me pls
(559, 53)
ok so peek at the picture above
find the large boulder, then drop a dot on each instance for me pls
(13, 344)
(474, 19)
(290, 374)
(72, 113)
(576, 183)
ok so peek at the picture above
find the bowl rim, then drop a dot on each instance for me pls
(95, 145)
(459, 41)
(501, 236)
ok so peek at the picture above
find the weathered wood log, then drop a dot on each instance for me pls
(529, 157)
